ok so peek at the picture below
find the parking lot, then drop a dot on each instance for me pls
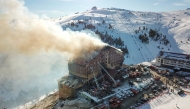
(148, 92)
(138, 86)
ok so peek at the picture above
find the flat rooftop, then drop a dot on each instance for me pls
(174, 56)
(70, 81)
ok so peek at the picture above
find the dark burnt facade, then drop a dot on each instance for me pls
(108, 56)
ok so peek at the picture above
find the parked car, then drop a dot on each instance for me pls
(153, 68)
(132, 107)
(180, 83)
(180, 92)
(157, 78)
(145, 73)
(134, 91)
(159, 89)
(122, 94)
(138, 79)
(138, 104)
(155, 86)
(118, 96)
(134, 74)
(131, 83)
(164, 87)
(144, 99)
(125, 93)
(151, 79)
(125, 76)
(130, 92)
(146, 87)
(187, 78)
(183, 80)
(156, 93)
(151, 95)
(176, 69)
(139, 89)
(113, 99)
(180, 73)
(145, 69)
(169, 73)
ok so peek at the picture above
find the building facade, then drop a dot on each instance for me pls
(173, 60)
(108, 56)
(67, 87)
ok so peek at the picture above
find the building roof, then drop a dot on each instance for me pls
(69, 81)
(92, 54)
(174, 56)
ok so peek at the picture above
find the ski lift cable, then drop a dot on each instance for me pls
(132, 37)
(143, 43)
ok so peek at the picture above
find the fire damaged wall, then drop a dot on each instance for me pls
(108, 56)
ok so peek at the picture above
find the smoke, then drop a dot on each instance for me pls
(33, 52)
(24, 32)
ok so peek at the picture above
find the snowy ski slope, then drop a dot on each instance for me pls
(172, 24)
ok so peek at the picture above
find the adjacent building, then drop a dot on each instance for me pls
(173, 60)
(67, 87)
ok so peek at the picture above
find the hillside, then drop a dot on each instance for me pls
(172, 30)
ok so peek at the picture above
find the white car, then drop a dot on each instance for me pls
(125, 76)
(138, 80)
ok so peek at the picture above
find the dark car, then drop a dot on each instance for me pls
(131, 83)
(155, 86)
(156, 93)
(180, 92)
(164, 87)
(160, 89)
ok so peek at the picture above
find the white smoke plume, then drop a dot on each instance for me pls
(24, 32)
(33, 52)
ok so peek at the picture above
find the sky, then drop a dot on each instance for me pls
(57, 8)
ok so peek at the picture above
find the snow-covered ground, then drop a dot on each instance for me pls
(172, 24)
(168, 101)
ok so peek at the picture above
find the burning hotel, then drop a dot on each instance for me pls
(82, 70)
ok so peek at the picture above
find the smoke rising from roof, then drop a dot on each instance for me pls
(32, 51)
(24, 32)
